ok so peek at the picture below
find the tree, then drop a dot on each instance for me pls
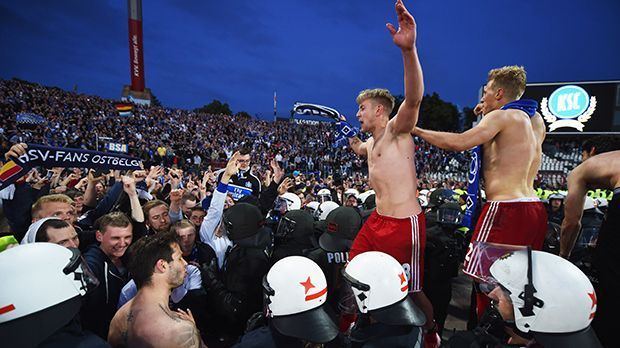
(244, 115)
(469, 117)
(398, 99)
(215, 107)
(154, 100)
(437, 114)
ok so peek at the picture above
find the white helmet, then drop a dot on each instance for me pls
(381, 288)
(423, 201)
(311, 207)
(324, 209)
(324, 195)
(293, 202)
(362, 197)
(46, 296)
(296, 290)
(352, 191)
(550, 296)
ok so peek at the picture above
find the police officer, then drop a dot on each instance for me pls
(443, 254)
(234, 293)
(555, 209)
(436, 199)
(538, 299)
(33, 315)
(294, 234)
(388, 316)
(295, 293)
(339, 230)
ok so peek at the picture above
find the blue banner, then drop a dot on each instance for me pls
(49, 157)
(473, 187)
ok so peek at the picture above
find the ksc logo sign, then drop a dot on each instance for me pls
(568, 106)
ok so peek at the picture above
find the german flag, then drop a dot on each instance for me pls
(123, 107)
(10, 170)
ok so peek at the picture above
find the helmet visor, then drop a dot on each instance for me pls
(483, 255)
(286, 229)
(83, 276)
(449, 216)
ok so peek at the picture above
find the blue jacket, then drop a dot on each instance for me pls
(100, 306)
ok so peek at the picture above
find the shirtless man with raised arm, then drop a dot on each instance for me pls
(511, 133)
(397, 226)
(157, 266)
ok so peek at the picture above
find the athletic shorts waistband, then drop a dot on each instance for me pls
(519, 200)
(386, 217)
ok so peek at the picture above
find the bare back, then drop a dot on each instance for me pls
(538, 126)
(142, 323)
(391, 172)
(602, 171)
(511, 159)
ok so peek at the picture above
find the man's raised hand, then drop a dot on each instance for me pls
(129, 185)
(232, 167)
(405, 36)
(478, 109)
(16, 151)
(285, 185)
(278, 173)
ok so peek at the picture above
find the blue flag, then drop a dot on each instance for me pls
(30, 118)
(473, 187)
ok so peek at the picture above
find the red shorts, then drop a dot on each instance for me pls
(404, 239)
(514, 223)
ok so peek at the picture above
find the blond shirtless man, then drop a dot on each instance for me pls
(511, 133)
(397, 226)
(157, 266)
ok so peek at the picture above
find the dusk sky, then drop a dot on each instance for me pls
(325, 52)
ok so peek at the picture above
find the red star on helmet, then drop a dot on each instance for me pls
(403, 280)
(307, 285)
(593, 298)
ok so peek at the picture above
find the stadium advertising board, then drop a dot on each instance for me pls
(116, 147)
(578, 107)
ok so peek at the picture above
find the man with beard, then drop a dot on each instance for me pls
(157, 267)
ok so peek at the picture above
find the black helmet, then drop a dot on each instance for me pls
(440, 196)
(450, 214)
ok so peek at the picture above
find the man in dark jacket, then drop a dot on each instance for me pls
(235, 292)
(107, 261)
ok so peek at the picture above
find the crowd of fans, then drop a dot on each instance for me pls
(190, 140)
(104, 213)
